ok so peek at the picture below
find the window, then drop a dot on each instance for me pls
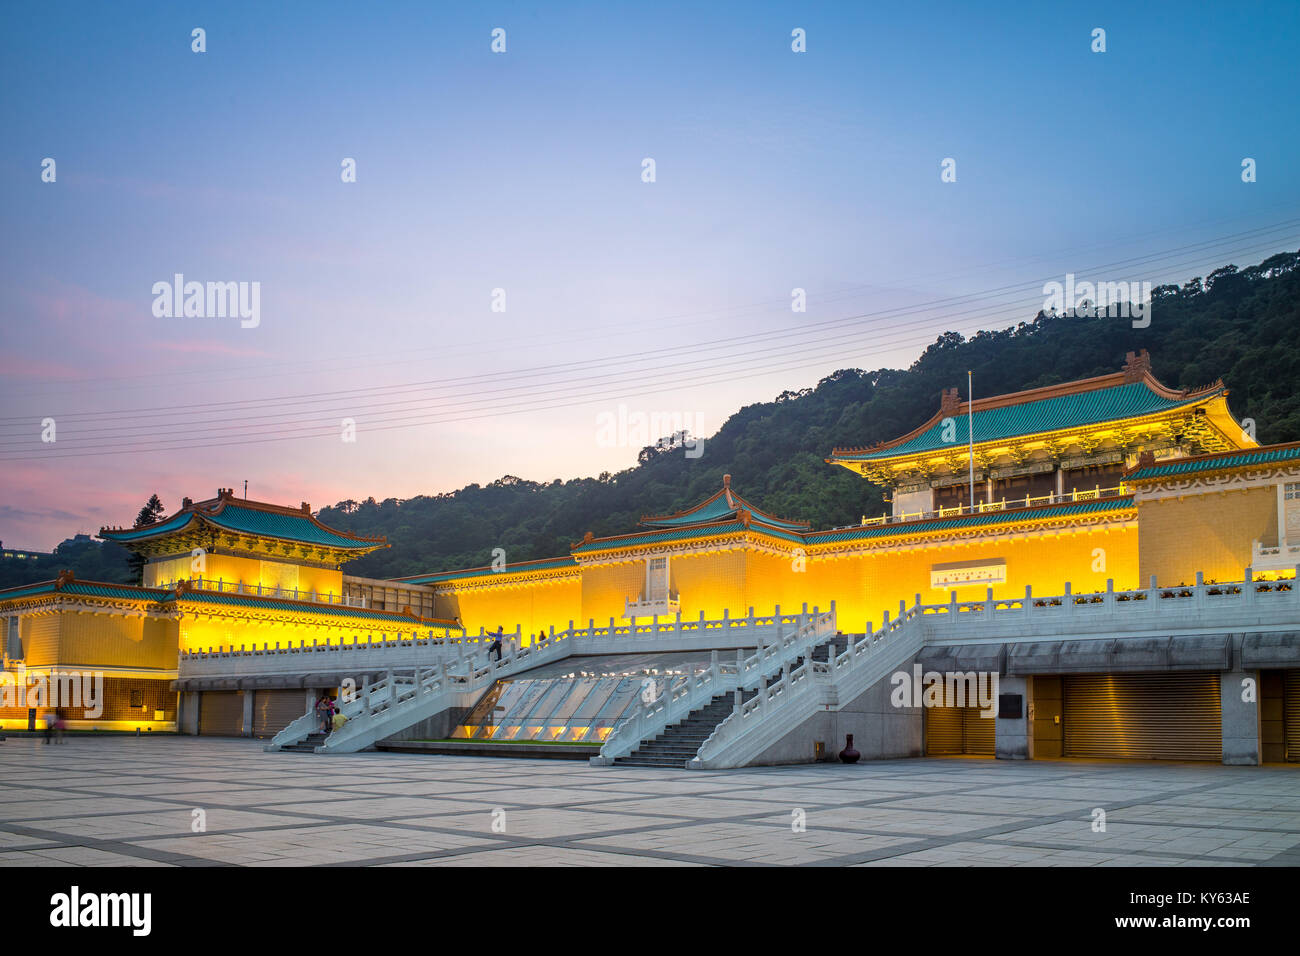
(1292, 490)
(137, 698)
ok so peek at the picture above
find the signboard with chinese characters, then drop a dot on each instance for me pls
(968, 573)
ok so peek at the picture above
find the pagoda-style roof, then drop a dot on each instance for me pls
(1131, 397)
(519, 567)
(692, 532)
(1267, 456)
(989, 519)
(246, 525)
(722, 505)
(66, 585)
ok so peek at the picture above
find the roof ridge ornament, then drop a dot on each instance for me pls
(1137, 366)
(949, 402)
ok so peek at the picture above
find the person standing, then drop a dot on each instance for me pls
(496, 643)
(324, 712)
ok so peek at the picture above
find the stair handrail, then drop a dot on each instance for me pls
(800, 688)
(400, 693)
(682, 697)
(1096, 612)
(298, 730)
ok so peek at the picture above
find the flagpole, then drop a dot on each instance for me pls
(970, 435)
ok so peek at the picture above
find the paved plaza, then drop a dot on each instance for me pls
(123, 801)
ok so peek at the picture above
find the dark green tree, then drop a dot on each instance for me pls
(152, 512)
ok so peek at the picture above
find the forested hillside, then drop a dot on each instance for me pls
(1236, 324)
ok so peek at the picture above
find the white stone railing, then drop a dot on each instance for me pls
(402, 650)
(299, 729)
(1200, 607)
(1003, 504)
(222, 586)
(1276, 558)
(779, 707)
(390, 704)
(1203, 606)
(652, 608)
(690, 693)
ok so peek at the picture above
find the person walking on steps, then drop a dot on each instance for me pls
(324, 711)
(496, 643)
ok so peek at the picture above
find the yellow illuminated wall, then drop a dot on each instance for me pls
(531, 606)
(103, 640)
(199, 633)
(774, 579)
(1210, 532)
(251, 571)
(841, 579)
(1084, 558)
(710, 583)
(605, 588)
(863, 584)
(39, 634)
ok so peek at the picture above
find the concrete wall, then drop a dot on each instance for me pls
(1013, 737)
(1240, 717)
(880, 730)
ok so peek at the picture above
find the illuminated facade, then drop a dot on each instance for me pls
(1051, 507)
(1087, 487)
(220, 574)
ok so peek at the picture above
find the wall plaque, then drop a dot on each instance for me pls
(958, 574)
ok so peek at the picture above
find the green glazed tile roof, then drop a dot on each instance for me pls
(685, 534)
(174, 523)
(254, 521)
(1191, 466)
(957, 522)
(85, 589)
(719, 506)
(1046, 414)
(543, 564)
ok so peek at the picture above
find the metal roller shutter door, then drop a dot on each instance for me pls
(943, 731)
(221, 713)
(978, 731)
(1291, 710)
(1143, 716)
(957, 730)
(273, 710)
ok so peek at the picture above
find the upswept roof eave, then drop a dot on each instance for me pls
(686, 532)
(1233, 459)
(541, 564)
(341, 540)
(1177, 400)
(84, 589)
(735, 505)
(958, 522)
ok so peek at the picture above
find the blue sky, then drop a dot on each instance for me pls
(522, 171)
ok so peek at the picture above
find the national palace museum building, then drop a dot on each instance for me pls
(1089, 497)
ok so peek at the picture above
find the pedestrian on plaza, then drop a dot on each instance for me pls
(324, 712)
